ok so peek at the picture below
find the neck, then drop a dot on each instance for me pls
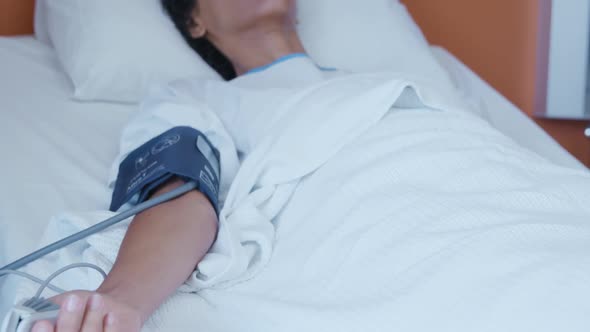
(260, 46)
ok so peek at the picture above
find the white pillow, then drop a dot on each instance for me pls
(115, 50)
(367, 35)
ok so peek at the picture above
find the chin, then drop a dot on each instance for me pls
(277, 8)
(262, 14)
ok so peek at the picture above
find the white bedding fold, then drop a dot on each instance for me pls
(310, 126)
(388, 204)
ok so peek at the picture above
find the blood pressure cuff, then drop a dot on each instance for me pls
(183, 152)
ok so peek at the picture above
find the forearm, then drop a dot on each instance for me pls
(161, 249)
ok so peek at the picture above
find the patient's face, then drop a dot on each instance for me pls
(222, 17)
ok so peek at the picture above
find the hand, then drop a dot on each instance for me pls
(83, 311)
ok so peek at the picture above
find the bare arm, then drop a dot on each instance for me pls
(161, 249)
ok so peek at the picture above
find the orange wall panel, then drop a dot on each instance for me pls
(16, 17)
(496, 38)
(506, 42)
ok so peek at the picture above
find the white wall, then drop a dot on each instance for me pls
(568, 59)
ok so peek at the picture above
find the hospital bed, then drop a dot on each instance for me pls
(57, 152)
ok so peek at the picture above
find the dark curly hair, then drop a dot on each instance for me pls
(180, 11)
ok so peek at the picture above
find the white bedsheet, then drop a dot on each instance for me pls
(57, 152)
(393, 213)
(501, 113)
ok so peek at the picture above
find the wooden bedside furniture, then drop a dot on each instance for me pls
(16, 17)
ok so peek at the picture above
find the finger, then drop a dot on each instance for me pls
(59, 299)
(111, 323)
(116, 322)
(43, 326)
(94, 314)
(71, 314)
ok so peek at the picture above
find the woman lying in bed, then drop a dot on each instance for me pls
(156, 257)
(365, 202)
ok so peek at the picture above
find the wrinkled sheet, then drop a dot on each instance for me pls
(56, 152)
(397, 218)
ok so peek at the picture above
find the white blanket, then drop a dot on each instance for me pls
(398, 218)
